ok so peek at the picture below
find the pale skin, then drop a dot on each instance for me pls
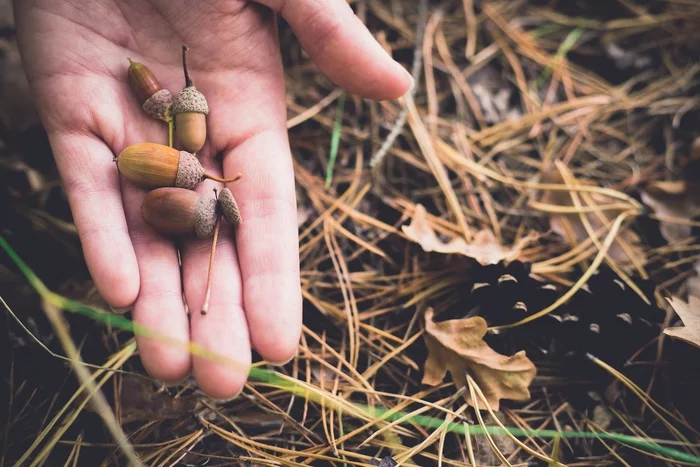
(75, 54)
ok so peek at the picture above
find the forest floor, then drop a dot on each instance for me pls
(523, 225)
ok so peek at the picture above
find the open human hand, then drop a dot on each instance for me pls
(75, 55)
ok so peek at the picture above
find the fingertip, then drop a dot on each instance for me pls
(221, 381)
(222, 369)
(277, 340)
(343, 48)
(278, 350)
(166, 359)
(169, 365)
(399, 86)
(118, 283)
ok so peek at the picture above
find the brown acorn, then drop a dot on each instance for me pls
(153, 165)
(155, 101)
(229, 207)
(190, 109)
(180, 212)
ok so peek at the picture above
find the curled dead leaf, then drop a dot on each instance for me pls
(571, 228)
(689, 313)
(458, 346)
(677, 199)
(484, 248)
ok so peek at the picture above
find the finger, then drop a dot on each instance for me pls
(267, 239)
(91, 183)
(159, 306)
(343, 48)
(223, 329)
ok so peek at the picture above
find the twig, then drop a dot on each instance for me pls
(415, 71)
(205, 307)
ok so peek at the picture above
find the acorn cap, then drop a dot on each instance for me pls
(190, 100)
(159, 105)
(205, 218)
(189, 171)
(229, 207)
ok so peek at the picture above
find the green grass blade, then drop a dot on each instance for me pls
(335, 139)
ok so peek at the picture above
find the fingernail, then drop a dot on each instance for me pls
(120, 311)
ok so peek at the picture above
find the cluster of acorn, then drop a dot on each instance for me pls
(171, 207)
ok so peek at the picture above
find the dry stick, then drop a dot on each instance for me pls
(415, 71)
(205, 307)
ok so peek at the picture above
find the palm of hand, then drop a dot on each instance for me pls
(76, 54)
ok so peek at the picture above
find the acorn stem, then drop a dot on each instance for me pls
(171, 124)
(223, 180)
(205, 307)
(188, 80)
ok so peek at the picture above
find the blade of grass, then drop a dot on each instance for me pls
(335, 139)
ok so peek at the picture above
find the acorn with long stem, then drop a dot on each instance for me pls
(153, 165)
(190, 109)
(182, 213)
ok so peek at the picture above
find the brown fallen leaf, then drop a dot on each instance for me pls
(571, 228)
(457, 346)
(484, 248)
(689, 313)
(679, 199)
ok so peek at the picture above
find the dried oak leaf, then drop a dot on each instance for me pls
(690, 315)
(457, 346)
(571, 228)
(673, 199)
(484, 248)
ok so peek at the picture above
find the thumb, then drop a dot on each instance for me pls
(342, 47)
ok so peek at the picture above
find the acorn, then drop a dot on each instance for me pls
(180, 212)
(190, 109)
(155, 101)
(153, 165)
